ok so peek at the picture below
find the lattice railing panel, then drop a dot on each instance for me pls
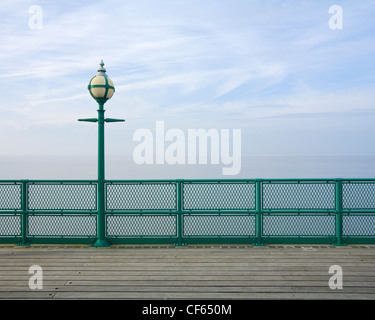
(199, 225)
(65, 196)
(10, 225)
(10, 196)
(141, 225)
(299, 196)
(62, 225)
(299, 225)
(358, 195)
(219, 196)
(359, 225)
(141, 196)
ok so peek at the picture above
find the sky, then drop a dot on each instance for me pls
(273, 69)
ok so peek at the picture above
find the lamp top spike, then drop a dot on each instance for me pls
(101, 70)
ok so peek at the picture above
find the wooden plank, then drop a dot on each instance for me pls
(215, 272)
(184, 283)
(217, 261)
(201, 296)
(275, 265)
(214, 260)
(185, 253)
(37, 295)
(177, 289)
(192, 278)
(97, 272)
(184, 250)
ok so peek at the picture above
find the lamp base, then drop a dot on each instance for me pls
(101, 244)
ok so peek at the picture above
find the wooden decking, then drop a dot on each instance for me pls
(193, 272)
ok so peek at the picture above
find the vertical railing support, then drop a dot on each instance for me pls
(180, 224)
(258, 212)
(24, 217)
(339, 206)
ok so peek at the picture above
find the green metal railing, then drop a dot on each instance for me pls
(180, 212)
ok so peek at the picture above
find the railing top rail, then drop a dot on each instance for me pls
(246, 180)
(192, 180)
(48, 181)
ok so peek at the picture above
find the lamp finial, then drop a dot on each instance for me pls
(101, 70)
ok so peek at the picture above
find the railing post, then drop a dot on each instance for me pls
(339, 206)
(180, 226)
(259, 216)
(24, 217)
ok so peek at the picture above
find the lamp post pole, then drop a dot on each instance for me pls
(101, 241)
(101, 89)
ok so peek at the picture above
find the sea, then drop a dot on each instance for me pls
(70, 167)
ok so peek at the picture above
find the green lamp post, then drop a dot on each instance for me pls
(101, 89)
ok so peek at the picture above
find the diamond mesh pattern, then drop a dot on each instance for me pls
(141, 225)
(219, 196)
(62, 225)
(359, 225)
(66, 196)
(298, 196)
(10, 225)
(10, 196)
(219, 225)
(358, 195)
(299, 225)
(141, 196)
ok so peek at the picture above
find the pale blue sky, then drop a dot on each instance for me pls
(273, 69)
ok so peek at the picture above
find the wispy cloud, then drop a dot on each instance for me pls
(190, 61)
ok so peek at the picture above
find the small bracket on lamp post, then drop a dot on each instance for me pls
(106, 120)
(89, 120)
(113, 120)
